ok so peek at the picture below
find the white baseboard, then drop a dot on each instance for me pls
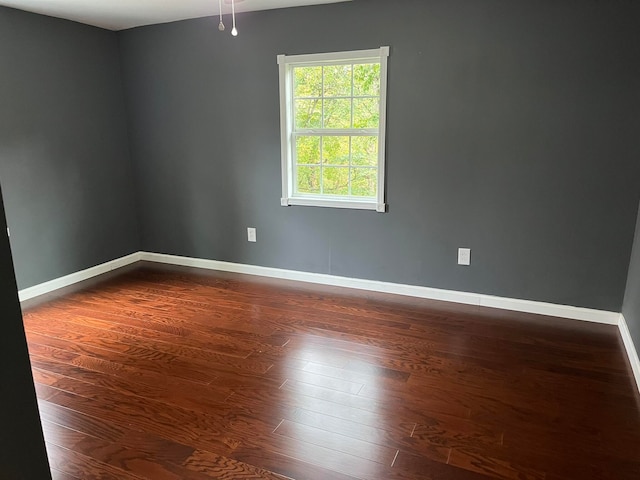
(528, 306)
(76, 277)
(632, 352)
(541, 308)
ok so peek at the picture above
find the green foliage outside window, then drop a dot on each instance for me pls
(340, 97)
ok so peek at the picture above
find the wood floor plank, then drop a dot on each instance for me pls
(84, 467)
(336, 441)
(200, 397)
(410, 466)
(449, 431)
(96, 426)
(218, 466)
(145, 462)
(206, 433)
(58, 475)
(319, 456)
(138, 357)
(200, 347)
(380, 434)
(286, 466)
(356, 408)
(478, 462)
(164, 372)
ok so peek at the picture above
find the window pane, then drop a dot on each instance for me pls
(337, 81)
(364, 182)
(308, 149)
(337, 113)
(335, 180)
(307, 81)
(364, 151)
(366, 80)
(308, 180)
(366, 112)
(308, 113)
(335, 150)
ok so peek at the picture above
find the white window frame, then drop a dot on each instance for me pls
(286, 65)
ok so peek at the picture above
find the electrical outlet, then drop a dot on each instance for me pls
(464, 256)
(251, 234)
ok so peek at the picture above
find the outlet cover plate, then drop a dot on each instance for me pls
(464, 256)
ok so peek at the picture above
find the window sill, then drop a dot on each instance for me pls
(341, 203)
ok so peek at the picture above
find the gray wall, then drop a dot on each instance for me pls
(64, 158)
(631, 306)
(22, 450)
(512, 130)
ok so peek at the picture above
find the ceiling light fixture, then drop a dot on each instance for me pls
(234, 30)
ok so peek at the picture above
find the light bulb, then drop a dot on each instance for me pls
(234, 30)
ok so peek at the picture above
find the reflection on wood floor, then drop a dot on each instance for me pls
(175, 373)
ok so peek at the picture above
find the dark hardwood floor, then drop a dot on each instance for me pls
(175, 373)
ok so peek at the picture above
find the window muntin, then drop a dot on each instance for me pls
(333, 122)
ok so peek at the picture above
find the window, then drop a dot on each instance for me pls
(332, 111)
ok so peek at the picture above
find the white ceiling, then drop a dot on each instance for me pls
(122, 14)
